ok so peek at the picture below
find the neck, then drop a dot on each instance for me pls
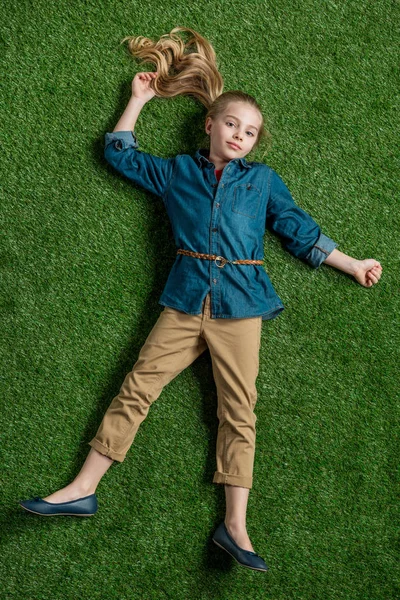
(219, 163)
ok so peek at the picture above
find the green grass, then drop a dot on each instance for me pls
(84, 258)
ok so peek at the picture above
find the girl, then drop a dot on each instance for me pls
(217, 293)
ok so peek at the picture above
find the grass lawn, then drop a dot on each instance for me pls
(84, 258)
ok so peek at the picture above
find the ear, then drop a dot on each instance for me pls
(208, 125)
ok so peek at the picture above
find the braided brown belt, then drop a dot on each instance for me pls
(223, 260)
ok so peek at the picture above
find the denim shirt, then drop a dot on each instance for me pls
(226, 219)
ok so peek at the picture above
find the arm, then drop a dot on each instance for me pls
(129, 117)
(304, 239)
(366, 272)
(300, 234)
(153, 173)
(141, 93)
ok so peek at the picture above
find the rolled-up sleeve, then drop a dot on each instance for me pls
(153, 173)
(300, 234)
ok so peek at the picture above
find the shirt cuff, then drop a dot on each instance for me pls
(121, 139)
(320, 251)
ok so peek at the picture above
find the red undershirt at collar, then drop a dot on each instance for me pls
(218, 173)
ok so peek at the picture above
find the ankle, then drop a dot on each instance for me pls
(235, 525)
(86, 488)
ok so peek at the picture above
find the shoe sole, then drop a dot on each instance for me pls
(239, 563)
(56, 514)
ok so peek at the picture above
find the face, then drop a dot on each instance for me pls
(234, 133)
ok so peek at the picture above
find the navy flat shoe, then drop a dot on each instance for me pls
(83, 507)
(246, 558)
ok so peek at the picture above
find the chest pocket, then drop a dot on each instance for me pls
(246, 200)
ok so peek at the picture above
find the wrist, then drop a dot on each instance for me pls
(137, 101)
(354, 267)
(342, 261)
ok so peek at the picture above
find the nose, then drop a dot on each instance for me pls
(238, 135)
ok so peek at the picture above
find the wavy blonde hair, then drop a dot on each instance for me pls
(190, 68)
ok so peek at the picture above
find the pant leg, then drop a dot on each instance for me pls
(172, 345)
(234, 346)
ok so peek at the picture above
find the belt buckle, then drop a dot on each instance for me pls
(221, 258)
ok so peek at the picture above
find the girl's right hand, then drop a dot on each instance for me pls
(141, 86)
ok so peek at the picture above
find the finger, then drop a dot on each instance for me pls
(373, 263)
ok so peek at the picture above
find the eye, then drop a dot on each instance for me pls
(231, 123)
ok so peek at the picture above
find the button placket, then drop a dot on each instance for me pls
(215, 240)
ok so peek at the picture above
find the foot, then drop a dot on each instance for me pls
(73, 491)
(240, 536)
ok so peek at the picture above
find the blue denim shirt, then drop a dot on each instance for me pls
(225, 219)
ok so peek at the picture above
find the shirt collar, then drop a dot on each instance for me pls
(202, 154)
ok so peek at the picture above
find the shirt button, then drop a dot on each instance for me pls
(214, 229)
(214, 185)
(217, 204)
(215, 280)
(222, 185)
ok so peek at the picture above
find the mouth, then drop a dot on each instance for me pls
(234, 146)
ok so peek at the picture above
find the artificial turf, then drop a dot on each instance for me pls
(84, 258)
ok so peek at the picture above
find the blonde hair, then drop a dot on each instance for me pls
(190, 68)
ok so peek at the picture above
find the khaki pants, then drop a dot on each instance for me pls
(175, 341)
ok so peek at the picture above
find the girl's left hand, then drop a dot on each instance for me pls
(367, 272)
